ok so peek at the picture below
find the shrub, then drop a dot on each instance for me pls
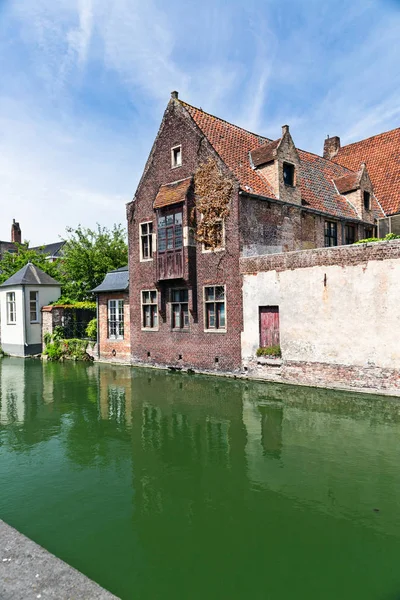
(388, 237)
(269, 351)
(53, 351)
(91, 329)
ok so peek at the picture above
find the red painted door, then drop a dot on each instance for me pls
(269, 326)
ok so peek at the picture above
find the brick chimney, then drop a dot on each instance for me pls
(15, 232)
(331, 147)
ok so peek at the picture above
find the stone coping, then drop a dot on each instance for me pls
(28, 571)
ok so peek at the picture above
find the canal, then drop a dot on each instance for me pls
(169, 486)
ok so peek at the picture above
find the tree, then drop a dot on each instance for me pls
(14, 261)
(88, 255)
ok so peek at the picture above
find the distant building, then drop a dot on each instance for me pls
(54, 251)
(21, 298)
(113, 311)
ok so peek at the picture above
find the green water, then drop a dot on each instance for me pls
(169, 486)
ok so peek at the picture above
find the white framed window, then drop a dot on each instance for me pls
(179, 309)
(146, 241)
(215, 308)
(149, 309)
(116, 319)
(220, 241)
(176, 156)
(34, 307)
(11, 308)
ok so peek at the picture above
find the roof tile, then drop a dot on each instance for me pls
(381, 153)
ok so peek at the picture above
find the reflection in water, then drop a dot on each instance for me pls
(163, 485)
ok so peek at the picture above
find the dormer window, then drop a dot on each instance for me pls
(367, 201)
(288, 174)
(176, 156)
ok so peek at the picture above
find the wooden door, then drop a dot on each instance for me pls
(269, 326)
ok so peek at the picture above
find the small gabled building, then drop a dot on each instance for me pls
(22, 297)
(113, 317)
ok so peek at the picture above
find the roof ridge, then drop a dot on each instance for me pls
(369, 138)
(328, 160)
(225, 121)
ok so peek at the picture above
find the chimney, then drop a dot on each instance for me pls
(285, 129)
(331, 147)
(15, 232)
(174, 95)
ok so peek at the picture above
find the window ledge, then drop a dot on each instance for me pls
(175, 166)
(180, 330)
(203, 251)
(215, 331)
(146, 260)
(115, 339)
(150, 329)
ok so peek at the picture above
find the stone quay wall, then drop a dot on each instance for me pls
(339, 315)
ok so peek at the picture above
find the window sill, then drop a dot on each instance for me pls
(11, 323)
(175, 166)
(215, 331)
(203, 251)
(115, 339)
(180, 330)
(150, 329)
(146, 260)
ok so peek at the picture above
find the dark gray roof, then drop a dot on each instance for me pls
(115, 281)
(30, 275)
(51, 249)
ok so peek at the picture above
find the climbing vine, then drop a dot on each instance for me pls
(213, 192)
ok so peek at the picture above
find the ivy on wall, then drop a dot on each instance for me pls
(213, 191)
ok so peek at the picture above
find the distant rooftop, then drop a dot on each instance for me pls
(29, 275)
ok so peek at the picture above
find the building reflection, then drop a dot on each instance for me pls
(115, 394)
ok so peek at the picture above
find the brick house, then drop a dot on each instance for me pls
(381, 155)
(113, 336)
(186, 296)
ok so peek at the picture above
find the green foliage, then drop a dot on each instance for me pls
(59, 349)
(47, 337)
(387, 238)
(2, 353)
(88, 255)
(58, 333)
(53, 350)
(269, 351)
(91, 329)
(14, 261)
(66, 302)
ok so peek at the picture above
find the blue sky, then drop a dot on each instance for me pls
(84, 84)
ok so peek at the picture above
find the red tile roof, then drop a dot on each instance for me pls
(234, 144)
(381, 153)
(265, 153)
(347, 183)
(172, 193)
(317, 189)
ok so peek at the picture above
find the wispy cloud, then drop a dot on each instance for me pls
(84, 83)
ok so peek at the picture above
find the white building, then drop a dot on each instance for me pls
(21, 298)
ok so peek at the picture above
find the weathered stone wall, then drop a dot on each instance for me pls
(339, 315)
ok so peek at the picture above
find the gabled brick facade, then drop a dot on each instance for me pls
(270, 211)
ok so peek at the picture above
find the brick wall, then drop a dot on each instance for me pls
(196, 347)
(113, 350)
(339, 316)
(340, 255)
(269, 226)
